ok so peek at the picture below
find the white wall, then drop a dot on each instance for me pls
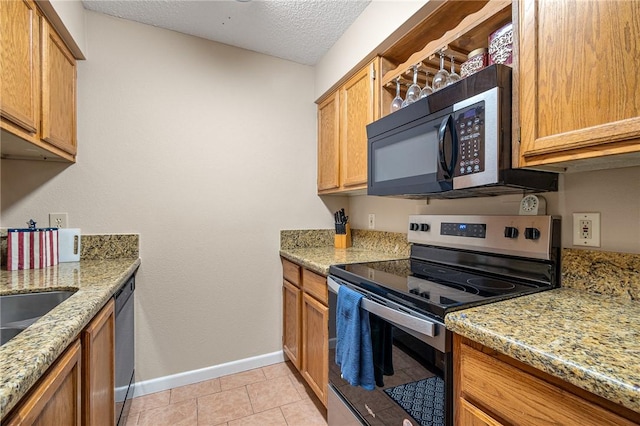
(377, 22)
(72, 14)
(207, 151)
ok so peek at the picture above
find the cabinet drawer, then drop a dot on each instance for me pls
(291, 272)
(316, 285)
(520, 398)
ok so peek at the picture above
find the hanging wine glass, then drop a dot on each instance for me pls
(426, 90)
(405, 102)
(396, 104)
(453, 76)
(441, 77)
(413, 94)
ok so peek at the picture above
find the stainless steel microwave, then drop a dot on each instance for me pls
(454, 143)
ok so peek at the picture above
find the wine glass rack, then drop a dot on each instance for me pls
(454, 28)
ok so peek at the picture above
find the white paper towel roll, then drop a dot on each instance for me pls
(68, 244)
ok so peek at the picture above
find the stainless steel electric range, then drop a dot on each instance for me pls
(456, 262)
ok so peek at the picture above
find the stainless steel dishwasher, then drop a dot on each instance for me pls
(125, 350)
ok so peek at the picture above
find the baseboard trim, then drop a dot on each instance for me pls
(194, 376)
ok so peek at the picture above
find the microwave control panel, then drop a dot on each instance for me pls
(470, 129)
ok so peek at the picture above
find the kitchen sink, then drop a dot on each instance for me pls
(19, 311)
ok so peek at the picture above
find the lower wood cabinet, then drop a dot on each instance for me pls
(98, 374)
(305, 338)
(291, 329)
(493, 389)
(78, 389)
(55, 399)
(315, 346)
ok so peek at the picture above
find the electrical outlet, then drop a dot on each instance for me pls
(372, 221)
(586, 229)
(58, 220)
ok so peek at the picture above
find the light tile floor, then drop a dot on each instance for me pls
(272, 395)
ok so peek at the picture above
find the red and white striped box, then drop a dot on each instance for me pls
(32, 248)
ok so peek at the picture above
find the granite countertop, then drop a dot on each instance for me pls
(586, 339)
(318, 259)
(27, 356)
(314, 250)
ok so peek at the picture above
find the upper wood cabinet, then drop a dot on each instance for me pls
(329, 143)
(358, 100)
(58, 91)
(342, 134)
(579, 83)
(38, 86)
(20, 62)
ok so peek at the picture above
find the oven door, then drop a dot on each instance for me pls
(417, 381)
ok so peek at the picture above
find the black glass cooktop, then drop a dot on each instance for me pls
(432, 288)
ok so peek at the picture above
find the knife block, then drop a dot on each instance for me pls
(342, 241)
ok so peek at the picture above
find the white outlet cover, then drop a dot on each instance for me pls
(58, 220)
(594, 241)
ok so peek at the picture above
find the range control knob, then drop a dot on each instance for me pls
(531, 233)
(414, 227)
(424, 227)
(510, 232)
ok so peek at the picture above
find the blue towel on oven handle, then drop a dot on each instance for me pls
(354, 353)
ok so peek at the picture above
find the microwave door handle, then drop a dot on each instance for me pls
(447, 123)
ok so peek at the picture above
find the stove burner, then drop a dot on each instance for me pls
(491, 283)
(458, 287)
(438, 271)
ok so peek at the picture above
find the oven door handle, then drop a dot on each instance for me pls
(403, 319)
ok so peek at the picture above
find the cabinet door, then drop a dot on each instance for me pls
(518, 397)
(358, 108)
(19, 64)
(329, 143)
(55, 399)
(315, 346)
(470, 415)
(58, 91)
(98, 376)
(579, 85)
(291, 327)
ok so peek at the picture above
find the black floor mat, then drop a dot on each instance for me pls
(423, 400)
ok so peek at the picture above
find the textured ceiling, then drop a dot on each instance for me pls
(298, 30)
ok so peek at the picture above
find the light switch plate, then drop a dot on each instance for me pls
(586, 229)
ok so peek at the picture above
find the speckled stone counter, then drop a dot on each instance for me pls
(27, 356)
(602, 272)
(318, 259)
(313, 249)
(589, 340)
